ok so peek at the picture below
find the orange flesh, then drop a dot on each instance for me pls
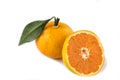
(84, 53)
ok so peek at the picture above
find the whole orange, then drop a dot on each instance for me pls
(50, 42)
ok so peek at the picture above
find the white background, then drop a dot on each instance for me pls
(27, 63)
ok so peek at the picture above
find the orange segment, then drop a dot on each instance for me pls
(83, 53)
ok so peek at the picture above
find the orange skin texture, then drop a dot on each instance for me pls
(50, 42)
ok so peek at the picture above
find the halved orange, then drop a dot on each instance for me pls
(83, 53)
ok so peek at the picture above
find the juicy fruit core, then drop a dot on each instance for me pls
(84, 52)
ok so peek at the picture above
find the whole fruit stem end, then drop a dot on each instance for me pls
(56, 21)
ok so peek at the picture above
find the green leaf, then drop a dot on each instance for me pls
(33, 30)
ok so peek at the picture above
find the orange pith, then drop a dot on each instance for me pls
(84, 53)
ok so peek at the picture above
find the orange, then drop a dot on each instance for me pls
(50, 42)
(83, 53)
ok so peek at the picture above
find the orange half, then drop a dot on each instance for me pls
(83, 53)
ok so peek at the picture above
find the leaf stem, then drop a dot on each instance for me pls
(56, 21)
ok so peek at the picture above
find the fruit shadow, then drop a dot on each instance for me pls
(104, 65)
(59, 61)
